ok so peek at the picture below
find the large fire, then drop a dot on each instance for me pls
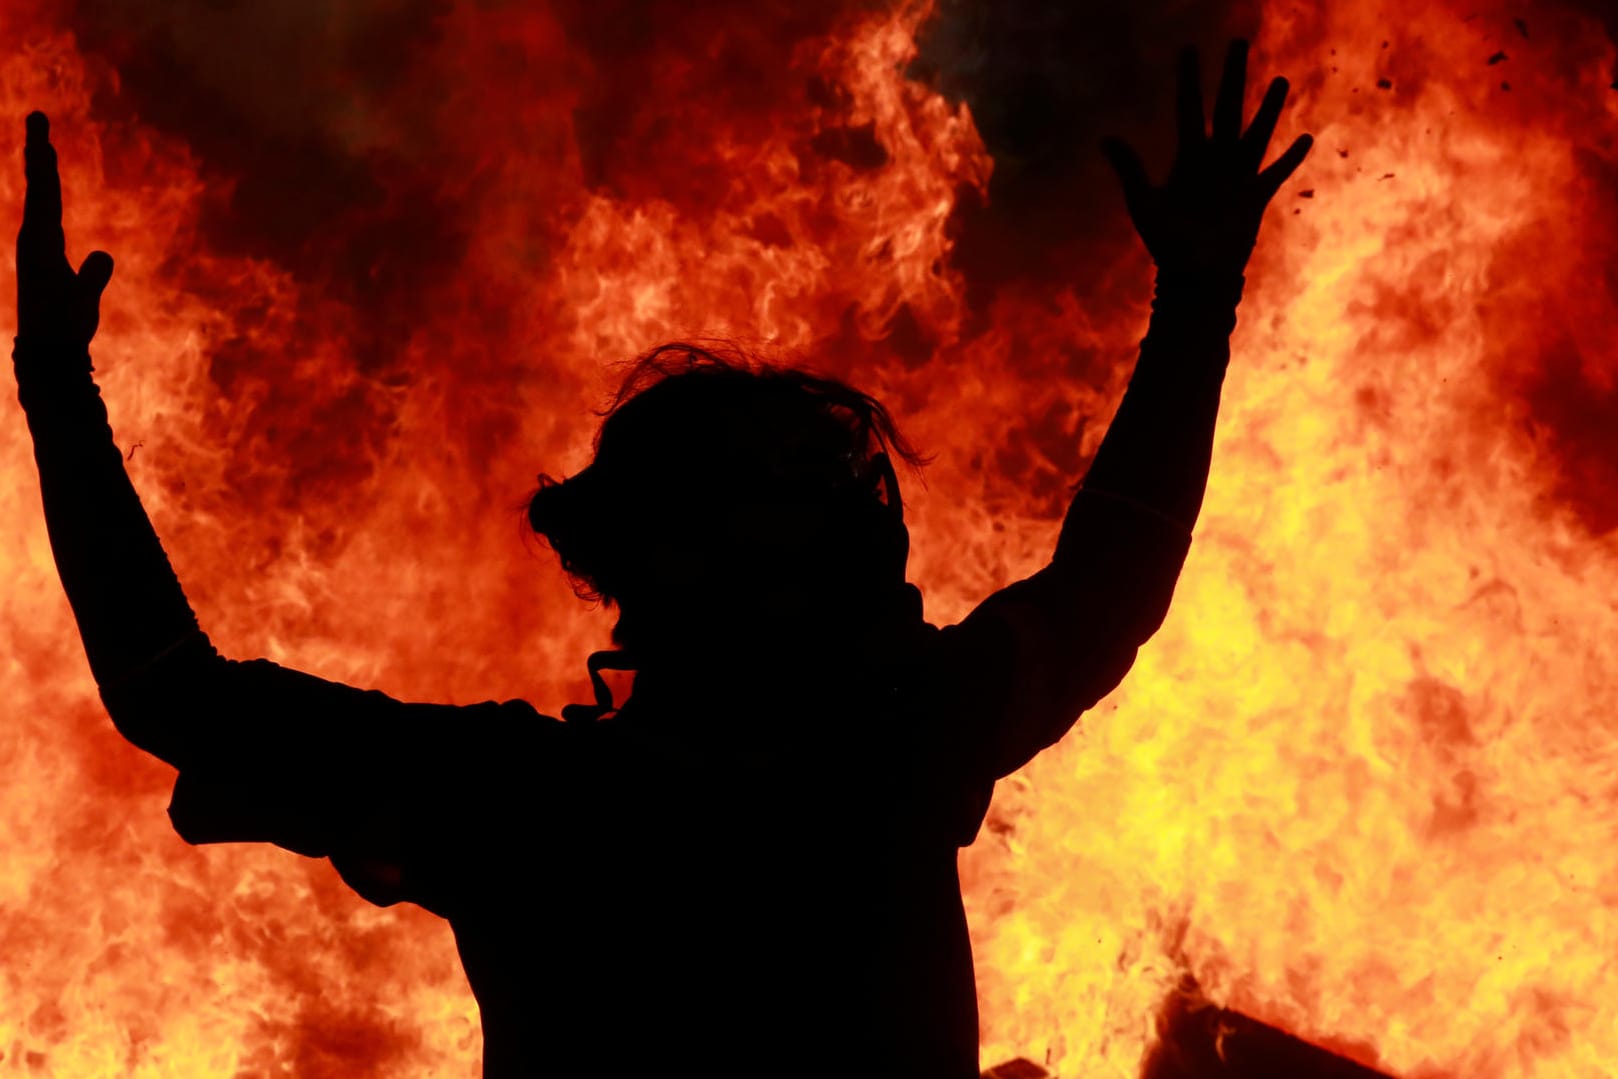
(1362, 786)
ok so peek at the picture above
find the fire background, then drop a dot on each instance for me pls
(376, 259)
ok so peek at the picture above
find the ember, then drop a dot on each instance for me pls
(374, 269)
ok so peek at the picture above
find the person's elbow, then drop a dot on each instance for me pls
(1150, 609)
(148, 725)
(166, 706)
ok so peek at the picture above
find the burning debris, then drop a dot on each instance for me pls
(1017, 1069)
(1208, 1042)
(1200, 1040)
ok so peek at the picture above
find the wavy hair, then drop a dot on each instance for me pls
(693, 429)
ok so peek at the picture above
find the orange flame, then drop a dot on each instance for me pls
(1361, 784)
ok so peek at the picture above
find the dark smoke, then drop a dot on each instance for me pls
(332, 134)
(286, 107)
(1045, 82)
(323, 131)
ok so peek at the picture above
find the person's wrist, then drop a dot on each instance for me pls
(1192, 309)
(52, 375)
(58, 350)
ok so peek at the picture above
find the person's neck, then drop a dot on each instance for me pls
(781, 669)
(730, 673)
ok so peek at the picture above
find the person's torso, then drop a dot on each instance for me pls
(787, 914)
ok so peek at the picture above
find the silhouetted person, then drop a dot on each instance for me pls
(749, 867)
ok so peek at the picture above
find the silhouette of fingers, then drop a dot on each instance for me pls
(1131, 171)
(94, 273)
(1227, 119)
(42, 200)
(1257, 140)
(1188, 108)
(1271, 179)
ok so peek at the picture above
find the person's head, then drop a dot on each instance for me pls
(735, 499)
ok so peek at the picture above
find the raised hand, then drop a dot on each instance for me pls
(1205, 217)
(55, 306)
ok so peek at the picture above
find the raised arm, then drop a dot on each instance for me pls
(128, 604)
(1061, 640)
(391, 792)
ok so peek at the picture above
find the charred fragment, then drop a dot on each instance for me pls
(1201, 1041)
(1017, 1069)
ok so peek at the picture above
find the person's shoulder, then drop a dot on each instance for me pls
(511, 727)
(513, 710)
(518, 714)
(960, 648)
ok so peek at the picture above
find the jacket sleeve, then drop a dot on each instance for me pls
(409, 801)
(396, 794)
(1019, 670)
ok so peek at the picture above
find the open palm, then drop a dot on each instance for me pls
(1205, 217)
(55, 305)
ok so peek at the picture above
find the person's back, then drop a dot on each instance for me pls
(748, 868)
(794, 906)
